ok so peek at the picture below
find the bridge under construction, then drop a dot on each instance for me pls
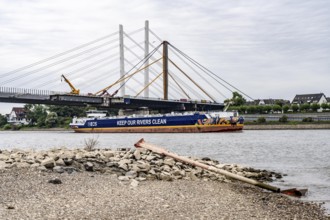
(186, 93)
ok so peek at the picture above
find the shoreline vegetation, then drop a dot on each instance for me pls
(247, 126)
(135, 184)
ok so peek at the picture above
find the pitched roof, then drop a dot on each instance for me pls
(268, 101)
(19, 111)
(308, 98)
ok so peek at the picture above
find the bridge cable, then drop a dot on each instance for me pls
(208, 71)
(179, 86)
(149, 84)
(141, 63)
(192, 80)
(70, 65)
(198, 73)
(74, 72)
(55, 63)
(58, 55)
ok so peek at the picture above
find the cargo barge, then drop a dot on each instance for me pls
(188, 122)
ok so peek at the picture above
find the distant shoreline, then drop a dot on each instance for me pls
(286, 127)
(246, 127)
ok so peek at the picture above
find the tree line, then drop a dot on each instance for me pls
(238, 103)
(46, 116)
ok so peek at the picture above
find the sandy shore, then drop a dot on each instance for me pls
(27, 194)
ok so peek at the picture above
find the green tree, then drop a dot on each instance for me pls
(243, 109)
(294, 107)
(3, 120)
(279, 102)
(276, 108)
(260, 109)
(36, 113)
(251, 109)
(51, 119)
(285, 108)
(315, 107)
(304, 107)
(267, 108)
(324, 106)
(236, 100)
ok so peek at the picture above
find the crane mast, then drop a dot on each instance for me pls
(73, 89)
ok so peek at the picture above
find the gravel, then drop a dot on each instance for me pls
(33, 194)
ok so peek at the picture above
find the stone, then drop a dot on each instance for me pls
(42, 168)
(89, 166)
(77, 165)
(137, 154)
(60, 162)
(123, 166)
(58, 169)
(150, 157)
(68, 161)
(22, 165)
(3, 157)
(125, 161)
(70, 170)
(169, 161)
(112, 164)
(108, 154)
(192, 176)
(140, 179)
(131, 174)
(48, 163)
(144, 166)
(165, 176)
(123, 178)
(3, 165)
(55, 181)
(35, 165)
(166, 168)
(134, 183)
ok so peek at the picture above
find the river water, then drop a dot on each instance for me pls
(304, 155)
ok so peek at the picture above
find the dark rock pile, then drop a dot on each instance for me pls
(132, 165)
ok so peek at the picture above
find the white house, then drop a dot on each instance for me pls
(318, 98)
(17, 116)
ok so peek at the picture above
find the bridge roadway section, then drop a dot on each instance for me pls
(126, 102)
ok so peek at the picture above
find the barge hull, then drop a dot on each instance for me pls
(164, 129)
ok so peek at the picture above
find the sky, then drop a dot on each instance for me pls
(267, 49)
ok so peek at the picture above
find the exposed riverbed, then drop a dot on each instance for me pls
(301, 154)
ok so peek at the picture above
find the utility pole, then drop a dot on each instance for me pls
(122, 59)
(165, 69)
(146, 53)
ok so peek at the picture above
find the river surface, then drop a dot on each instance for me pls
(304, 155)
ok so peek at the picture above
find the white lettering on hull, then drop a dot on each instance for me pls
(159, 121)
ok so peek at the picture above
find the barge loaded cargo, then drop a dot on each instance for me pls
(188, 122)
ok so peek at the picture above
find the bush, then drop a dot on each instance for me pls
(7, 127)
(90, 143)
(261, 120)
(308, 119)
(283, 119)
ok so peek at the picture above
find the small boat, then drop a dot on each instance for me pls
(187, 122)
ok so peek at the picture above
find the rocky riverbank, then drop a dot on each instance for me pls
(134, 184)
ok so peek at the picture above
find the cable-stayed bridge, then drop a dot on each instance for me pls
(121, 70)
